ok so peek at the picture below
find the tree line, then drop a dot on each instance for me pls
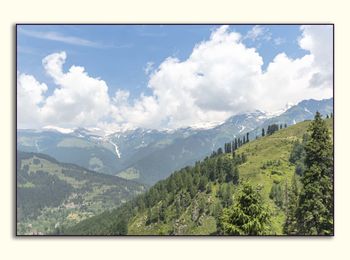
(232, 146)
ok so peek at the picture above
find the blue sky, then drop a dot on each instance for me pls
(119, 53)
(166, 76)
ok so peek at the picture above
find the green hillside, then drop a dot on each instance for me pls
(52, 194)
(191, 201)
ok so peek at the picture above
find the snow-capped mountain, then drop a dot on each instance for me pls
(149, 155)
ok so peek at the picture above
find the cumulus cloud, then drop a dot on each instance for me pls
(221, 77)
(317, 39)
(311, 76)
(30, 96)
(78, 99)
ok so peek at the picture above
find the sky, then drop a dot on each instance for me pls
(117, 77)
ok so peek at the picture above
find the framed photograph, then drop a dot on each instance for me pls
(175, 130)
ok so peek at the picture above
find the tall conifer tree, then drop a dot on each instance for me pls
(315, 211)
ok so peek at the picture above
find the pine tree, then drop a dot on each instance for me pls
(263, 132)
(229, 147)
(247, 139)
(248, 216)
(219, 151)
(315, 211)
(271, 129)
(285, 125)
(290, 225)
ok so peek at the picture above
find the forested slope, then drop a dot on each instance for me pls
(206, 198)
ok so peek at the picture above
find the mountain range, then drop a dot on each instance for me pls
(148, 155)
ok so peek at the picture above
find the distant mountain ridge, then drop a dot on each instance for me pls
(149, 155)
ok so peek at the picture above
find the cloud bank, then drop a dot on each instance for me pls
(220, 78)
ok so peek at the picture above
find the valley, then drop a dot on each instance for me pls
(51, 194)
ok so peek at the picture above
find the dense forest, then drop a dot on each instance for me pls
(281, 183)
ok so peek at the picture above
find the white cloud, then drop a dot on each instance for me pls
(318, 40)
(149, 67)
(221, 77)
(78, 99)
(258, 32)
(30, 96)
(255, 32)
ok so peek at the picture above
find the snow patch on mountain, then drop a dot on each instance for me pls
(280, 111)
(242, 128)
(307, 110)
(58, 129)
(116, 148)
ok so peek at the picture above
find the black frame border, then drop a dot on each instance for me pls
(16, 235)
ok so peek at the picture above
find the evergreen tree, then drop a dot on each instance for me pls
(290, 225)
(235, 178)
(162, 213)
(236, 144)
(263, 132)
(315, 211)
(271, 129)
(243, 139)
(285, 125)
(247, 137)
(203, 183)
(248, 216)
(219, 151)
(229, 147)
